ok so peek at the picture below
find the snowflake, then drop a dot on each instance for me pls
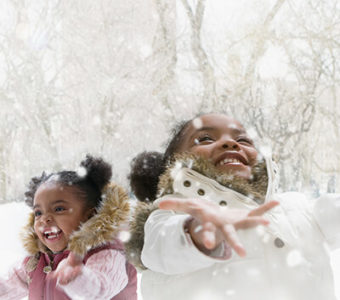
(81, 172)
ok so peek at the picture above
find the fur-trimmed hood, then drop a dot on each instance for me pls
(260, 186)
(257, 186)
(101, 228)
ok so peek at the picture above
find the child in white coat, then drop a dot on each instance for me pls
(211, 226)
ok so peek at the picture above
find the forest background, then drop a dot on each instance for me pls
(111, 78)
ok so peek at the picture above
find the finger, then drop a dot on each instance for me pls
(250, 222)
(59, 276)
(63, 276)
(263, 208)
(68, 275)
(62, 281)
(174, 204)
(209, 235)
(183, 205)
(65, 272)
(230, 235)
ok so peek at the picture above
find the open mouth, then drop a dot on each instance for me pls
(50, 235)
(229, 161)
(232, 158)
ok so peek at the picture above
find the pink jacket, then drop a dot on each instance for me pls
(105, 275)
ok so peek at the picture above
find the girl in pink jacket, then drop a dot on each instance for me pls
(70, 239)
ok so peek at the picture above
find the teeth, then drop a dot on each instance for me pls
(229, 160)
(51, 233)
(54, 229)
(51, 236)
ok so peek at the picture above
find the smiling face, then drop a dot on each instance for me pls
(58, 211)
(223, 141)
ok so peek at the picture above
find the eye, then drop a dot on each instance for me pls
(59, 209)
(37, 213)
(203, 139)
(245, 140)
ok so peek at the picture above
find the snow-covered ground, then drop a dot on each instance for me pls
(13, 216)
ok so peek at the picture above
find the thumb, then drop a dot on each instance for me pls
(169, 204)
(209, 235)
(74, 259)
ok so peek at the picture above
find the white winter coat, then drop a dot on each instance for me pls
(288, 260)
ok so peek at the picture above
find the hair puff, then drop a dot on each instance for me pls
(146, 168)
(97, 170)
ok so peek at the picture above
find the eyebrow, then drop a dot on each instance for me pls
(53, 203)
(207, 128)
(201, 129)
(239, 131)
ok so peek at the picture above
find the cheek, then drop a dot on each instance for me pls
(202, 151)
(252, 156)
(72, 225)
(38, 229)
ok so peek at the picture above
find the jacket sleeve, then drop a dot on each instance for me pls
(15, 286)
(103, 277)
(326, 211)
(169, 249)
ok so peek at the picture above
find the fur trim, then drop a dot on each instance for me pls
(135, 245)
(31, 264)
(104, 225)
(30, 240)
(99, 229)
(256, 187)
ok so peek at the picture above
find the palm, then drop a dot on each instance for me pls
(218, 223)
(69, 269)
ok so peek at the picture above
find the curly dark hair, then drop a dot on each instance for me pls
(147, 167)
(97, 173)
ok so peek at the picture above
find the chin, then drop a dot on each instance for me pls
(56, 248)
(237, 171)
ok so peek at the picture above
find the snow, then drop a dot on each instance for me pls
(124, 236)
(67, 65)
(13, 217)
(197, 123)
(294, 258)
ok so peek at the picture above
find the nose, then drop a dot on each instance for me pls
(47, 218)
(230, 144)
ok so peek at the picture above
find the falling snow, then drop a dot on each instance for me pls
(295, 258)
(124, 236)
(112, 80)
(197, 123)
(81, 172)
(198, 228)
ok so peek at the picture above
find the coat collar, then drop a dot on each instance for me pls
(257, 186)
(96, 231)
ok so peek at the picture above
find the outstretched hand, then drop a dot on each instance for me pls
(212, 223)
(68, 269)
